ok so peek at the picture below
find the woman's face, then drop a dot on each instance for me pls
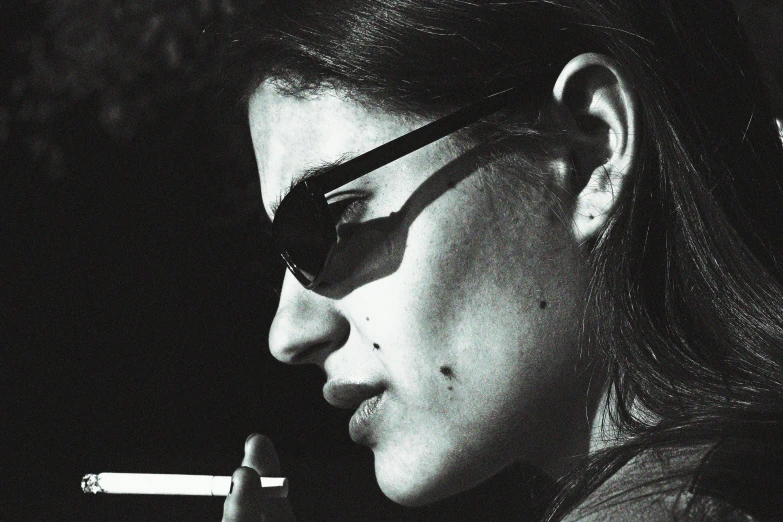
(451, 316)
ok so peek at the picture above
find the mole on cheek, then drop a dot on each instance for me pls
(448, 373)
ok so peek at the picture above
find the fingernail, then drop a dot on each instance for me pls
(249, 438)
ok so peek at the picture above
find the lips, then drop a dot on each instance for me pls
(366, 398)
(360, 426)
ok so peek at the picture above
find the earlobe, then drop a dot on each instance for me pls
(600, 110)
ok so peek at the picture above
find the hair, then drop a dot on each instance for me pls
(686, 271)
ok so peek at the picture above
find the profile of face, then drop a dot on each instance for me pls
(451, 318)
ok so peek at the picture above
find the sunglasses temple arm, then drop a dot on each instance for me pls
(414, 140)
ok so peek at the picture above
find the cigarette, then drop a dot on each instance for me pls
(159, 484)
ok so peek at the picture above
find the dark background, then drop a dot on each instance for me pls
(137, 285)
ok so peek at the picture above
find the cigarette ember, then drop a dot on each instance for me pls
(90, 484)
(160, 484)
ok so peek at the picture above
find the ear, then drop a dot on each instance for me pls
(595, 102)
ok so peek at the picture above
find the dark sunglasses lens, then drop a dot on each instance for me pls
(305, 233)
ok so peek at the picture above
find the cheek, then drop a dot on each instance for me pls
(457, 303)
(478, 364)
(467, 273)
(493, 302)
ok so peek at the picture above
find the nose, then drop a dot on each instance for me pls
(307, 326)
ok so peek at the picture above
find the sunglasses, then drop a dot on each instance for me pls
(304, 228)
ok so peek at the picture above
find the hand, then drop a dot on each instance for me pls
(246, 501)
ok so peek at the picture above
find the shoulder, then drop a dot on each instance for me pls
(734, 481)
(646, 489)
(745, 472)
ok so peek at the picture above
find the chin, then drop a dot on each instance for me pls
(406, 494)
(411, 487)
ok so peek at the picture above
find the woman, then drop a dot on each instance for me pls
(578, 260)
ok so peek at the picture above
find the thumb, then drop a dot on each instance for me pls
(260, 455)
(244, 502)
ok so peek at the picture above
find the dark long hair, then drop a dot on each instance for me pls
(686, 273)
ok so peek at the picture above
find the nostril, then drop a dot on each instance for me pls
(317, 352)
(307, 331)
(309, 354)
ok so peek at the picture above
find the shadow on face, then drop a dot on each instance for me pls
(375, 248)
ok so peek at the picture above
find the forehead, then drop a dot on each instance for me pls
(293, 134)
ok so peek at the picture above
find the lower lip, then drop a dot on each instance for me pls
(360, 426)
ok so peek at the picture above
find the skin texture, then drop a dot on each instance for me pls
(456, 293)
(246, 501)
(465, 297)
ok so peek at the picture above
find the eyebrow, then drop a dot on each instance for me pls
(357, 166)
(309, 173)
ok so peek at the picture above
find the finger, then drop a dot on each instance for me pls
(260, 455)
(243, 503)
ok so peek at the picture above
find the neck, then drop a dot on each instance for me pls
(604, 432)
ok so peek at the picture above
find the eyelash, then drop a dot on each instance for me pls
(347, 210)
